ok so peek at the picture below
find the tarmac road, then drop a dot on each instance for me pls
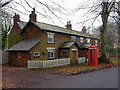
(105, 78)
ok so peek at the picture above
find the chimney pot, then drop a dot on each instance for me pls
(33, 16)
(69, 25)
(84, 29)
(16, 18)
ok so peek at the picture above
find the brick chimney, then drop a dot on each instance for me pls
(33, 16)
(16, 18)
(84, 29)
(69, 25)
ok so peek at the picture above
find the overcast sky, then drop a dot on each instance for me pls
(75, 18)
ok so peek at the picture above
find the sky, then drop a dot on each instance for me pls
(70, 5)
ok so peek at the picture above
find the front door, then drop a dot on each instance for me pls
(74, 57)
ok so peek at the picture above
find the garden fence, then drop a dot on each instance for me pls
(81, 60)
(48, 63)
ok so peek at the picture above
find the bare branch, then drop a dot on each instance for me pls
(4, 4)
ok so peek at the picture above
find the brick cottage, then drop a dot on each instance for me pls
(40, 41)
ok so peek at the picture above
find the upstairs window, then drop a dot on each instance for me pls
(96, 42)
(73, 38)
(19, 54)
(88, 40)
(50, 37)
(64, 53)
(81, 39)
(36, 54)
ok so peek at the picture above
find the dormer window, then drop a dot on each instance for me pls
(73, 38)
(50, 37)
(88, 40)
(81, 39)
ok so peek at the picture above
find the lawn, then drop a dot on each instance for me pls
(76, 69)
(115, 60)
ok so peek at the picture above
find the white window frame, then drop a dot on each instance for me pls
(73, 38)
(49, 34)
(19, 54)
(96, 42)
(88, 40)
(37, 55)
(62, 53)
(81, 39)
(51, 50)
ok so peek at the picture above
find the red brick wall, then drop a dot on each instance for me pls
(34, 32)
(82, 52)
(84, 40)
(92, 41)
(14, 60)
(14, 36)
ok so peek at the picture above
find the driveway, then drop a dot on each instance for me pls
(106, 78)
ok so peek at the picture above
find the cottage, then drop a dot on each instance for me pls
(34, 40)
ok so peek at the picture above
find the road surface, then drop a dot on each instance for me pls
(106, 78)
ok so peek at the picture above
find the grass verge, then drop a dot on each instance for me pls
(77, 69)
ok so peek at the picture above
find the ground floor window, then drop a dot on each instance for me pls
(19, 54)
(50, 53)
(64, 53)
(36, 54)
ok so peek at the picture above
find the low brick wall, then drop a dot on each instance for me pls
(14, 60)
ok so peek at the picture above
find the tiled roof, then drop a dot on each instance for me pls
(67, 44)
(25, 45)
(85, 45)
(54, 28)
(22, 24)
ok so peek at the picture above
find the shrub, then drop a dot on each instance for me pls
(103, 60)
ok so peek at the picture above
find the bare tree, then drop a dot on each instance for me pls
(47, 8)
(105, 9)
(8, 7)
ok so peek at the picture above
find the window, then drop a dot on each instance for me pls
(50, 37)
(36, 54)
(73, 38)
(96, 42)
(81, 39)
(64, 53)
(19, 54)
(50, 53)
(88, 40)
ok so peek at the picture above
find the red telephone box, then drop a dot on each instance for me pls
(92, 55)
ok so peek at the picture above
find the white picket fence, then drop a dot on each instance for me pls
(81, 60)
(48, 63)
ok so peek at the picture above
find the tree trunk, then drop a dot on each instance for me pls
(103, 31)
(103, 41)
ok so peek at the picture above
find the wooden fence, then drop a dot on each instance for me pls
(81, 60)
(48, 63)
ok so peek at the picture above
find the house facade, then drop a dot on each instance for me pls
(34, 40)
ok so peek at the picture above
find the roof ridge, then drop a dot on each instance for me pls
(63, 28)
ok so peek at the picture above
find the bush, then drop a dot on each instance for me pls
(103, 60)
(111, 49)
